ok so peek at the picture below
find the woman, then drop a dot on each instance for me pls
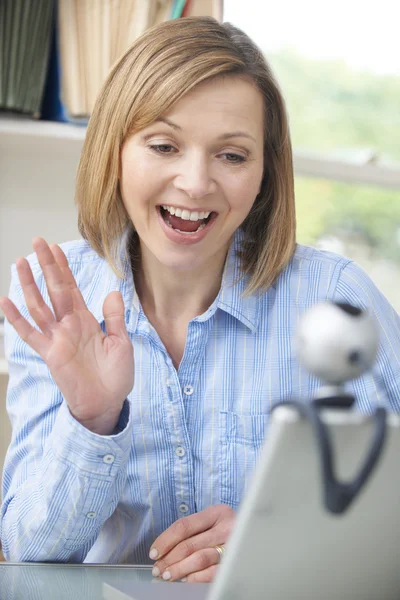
(144, 395)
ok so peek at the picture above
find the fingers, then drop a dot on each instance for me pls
(61, 259)
(198, 566)
(29, 334)
(187, 548)
(38, 309)
(193, 553)
(114, 315)
(183, 529)
(62, 291)
(207, 539)
(57, 286)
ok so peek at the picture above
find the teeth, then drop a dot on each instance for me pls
(185, 214)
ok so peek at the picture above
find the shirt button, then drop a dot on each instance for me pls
(188, 390)
(91, 515)
(183, 508)
(108, 459)
(168, 382)
(180, 451)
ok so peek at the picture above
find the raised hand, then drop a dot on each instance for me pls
(93, 371)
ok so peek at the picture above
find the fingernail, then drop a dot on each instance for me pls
(155, 572)
(166, 575)
(153, 553)
(184, 579)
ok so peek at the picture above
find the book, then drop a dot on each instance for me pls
(25, 33)
(91, 37)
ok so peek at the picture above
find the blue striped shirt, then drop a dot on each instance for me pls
(189, 438)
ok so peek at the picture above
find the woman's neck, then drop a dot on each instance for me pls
(176, 296)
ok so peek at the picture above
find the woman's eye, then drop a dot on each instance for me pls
(234, 158)
(162, 148)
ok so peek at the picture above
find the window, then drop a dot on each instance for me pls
(339, 71)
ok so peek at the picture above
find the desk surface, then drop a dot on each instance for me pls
(27, 581)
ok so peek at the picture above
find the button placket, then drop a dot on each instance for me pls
(179, 389)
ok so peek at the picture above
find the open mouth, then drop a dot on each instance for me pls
(186, 222)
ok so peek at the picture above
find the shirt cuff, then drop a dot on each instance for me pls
(123, 418)
(88, 452)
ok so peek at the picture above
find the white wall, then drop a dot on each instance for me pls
(37, 177)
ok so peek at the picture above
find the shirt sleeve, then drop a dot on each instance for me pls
(381, 385)
(61, 482)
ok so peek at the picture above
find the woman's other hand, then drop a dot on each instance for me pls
(186, 550)
(93, 371)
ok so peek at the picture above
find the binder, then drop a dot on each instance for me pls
(25, 29)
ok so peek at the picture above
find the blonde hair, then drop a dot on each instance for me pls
(160, 67)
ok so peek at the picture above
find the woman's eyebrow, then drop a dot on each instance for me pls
(232, 134)
(224, 136)
(168, 122)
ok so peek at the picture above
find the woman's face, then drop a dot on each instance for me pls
(189, 179)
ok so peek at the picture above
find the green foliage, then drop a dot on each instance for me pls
(331, 105)
(335, 108)
(325, 207)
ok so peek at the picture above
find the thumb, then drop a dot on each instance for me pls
(114, 314)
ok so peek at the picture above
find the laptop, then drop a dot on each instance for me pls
(286, 544)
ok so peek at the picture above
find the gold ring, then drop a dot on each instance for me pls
(221, 551)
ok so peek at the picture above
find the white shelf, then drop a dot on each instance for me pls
(307, 164)
(21, 126)
(345, 170)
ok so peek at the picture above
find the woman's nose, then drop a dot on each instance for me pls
(194, 178)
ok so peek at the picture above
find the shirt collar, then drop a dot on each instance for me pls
(231, 297)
